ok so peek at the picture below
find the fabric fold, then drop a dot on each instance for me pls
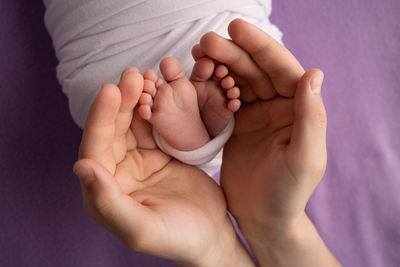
(95, 40)
(201, 155)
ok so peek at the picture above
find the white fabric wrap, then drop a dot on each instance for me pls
(95, 40)
(200, 155)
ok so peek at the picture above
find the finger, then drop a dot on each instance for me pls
(308, 140)
(142, 130)
(202, 70)
(197, 52)
(98, 135)
(239, 62)
(272, 57)
(108, 206)
(131, 87)
(246, 94)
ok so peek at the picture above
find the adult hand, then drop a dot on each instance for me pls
(277, 153)
(154, 204)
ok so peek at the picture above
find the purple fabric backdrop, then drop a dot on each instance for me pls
(356, 208)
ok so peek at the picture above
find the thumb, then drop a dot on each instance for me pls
(308, 140)
(105, 202)
(97, 183)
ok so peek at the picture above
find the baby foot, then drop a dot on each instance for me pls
(172, 107)
(217, 94)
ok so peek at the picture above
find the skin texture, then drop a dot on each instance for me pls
(280, 136)
(187, 112)
(271, 165)
(153, 203)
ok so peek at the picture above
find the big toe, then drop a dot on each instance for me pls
(203, 70)
(171, 69)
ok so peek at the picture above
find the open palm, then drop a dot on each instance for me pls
(263, 141)
(272, 163)
(154, 204)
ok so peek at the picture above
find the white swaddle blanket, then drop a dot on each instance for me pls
(95, 40)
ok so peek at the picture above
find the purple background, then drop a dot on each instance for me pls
(356, 208)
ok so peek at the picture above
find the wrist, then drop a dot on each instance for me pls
(293, 242)
(274, 230)
(229, 257)
(228, 251)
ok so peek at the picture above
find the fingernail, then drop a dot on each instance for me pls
(86, 176)
(316, 82)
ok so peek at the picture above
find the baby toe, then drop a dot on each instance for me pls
(149, 87)
(146, 99)
(233, 93)
(227, 82)
(234, 105)
(221, 71)
(150, 75)
(144, 111)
